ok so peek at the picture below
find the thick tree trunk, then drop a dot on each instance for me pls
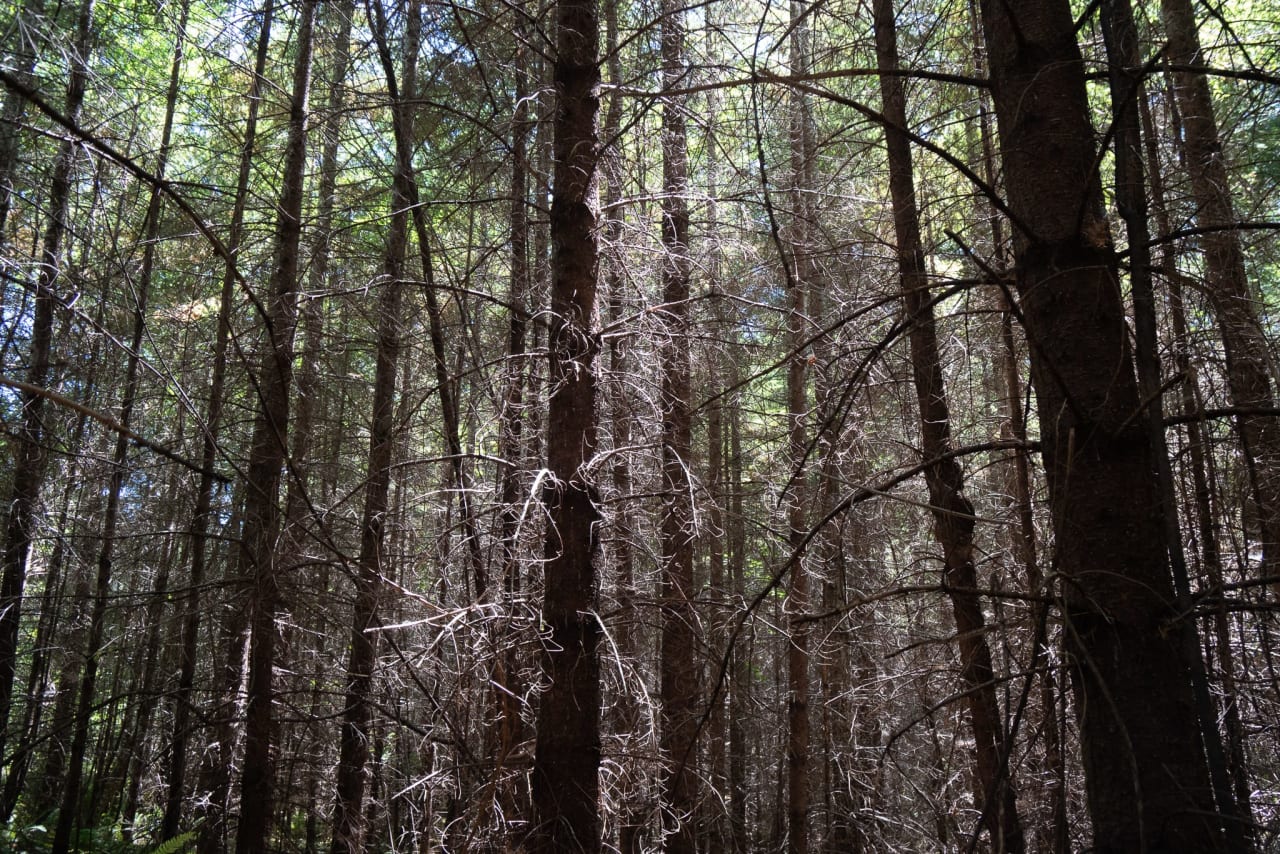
(567, 757)
(677, 674)
(267, 458)
(1121, 39)
(953, 517)
(1146, 780)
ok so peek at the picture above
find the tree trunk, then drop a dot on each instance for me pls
(1249, 375)
(1121, 39)
(799, 280)
(267, 457)
(28, 468)
(1146, 781)
(953, 517)
(1199, 464)
(567, 756)
(211, 831)
(510, 731)
(348, 823)
(22, 53)
(678, 676)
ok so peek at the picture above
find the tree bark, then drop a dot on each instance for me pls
(348, 823)
(678, 676)
(22, 53)
(1120, 35)
(953, 514)
(567, 755)
(799, 279)
(267, 457)
(1199, 462)
(213, 826)
(29, 465)
(1249, 374)
(1146, 780)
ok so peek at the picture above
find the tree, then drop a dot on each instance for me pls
(348, 823)
(28, 471)
(952, 510)
(748, 473)
(565, 784)
(1249, 377)
(270, 444)
(1147, 783)
(679, 630)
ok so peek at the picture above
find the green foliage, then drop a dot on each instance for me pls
(37, 838)
(178, 845)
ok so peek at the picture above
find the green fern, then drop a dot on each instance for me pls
(179, 844)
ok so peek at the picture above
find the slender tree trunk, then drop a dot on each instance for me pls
(348, 824)
(59, 201)
(567, 755)
(213, 827)
(138, 735)
(799, 279)
(50, 597)
(267, 457)
(634, 813)
(28, 468)
(1249, 375)
(740, 664)
(678, 676)
(22, 53)
(952, 511)
(511, 795)
(715, 832)
(309, 389)
(1196, 445)
(1147, 785)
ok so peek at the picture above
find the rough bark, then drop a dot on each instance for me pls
(678, 677)
(23, 52)
(212, 827)
(30, 452)
(1121, 38)
(353, 757)
(1249, 373)
(1146, 780)
(621, 417)
(1200, 463)
(952, 511)
(29, 469)
(567, 756)
(508, 729)
(267, 457)
(799, 279)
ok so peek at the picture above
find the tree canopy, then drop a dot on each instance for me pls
(562, 425)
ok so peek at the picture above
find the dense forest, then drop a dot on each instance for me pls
(636, 426)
